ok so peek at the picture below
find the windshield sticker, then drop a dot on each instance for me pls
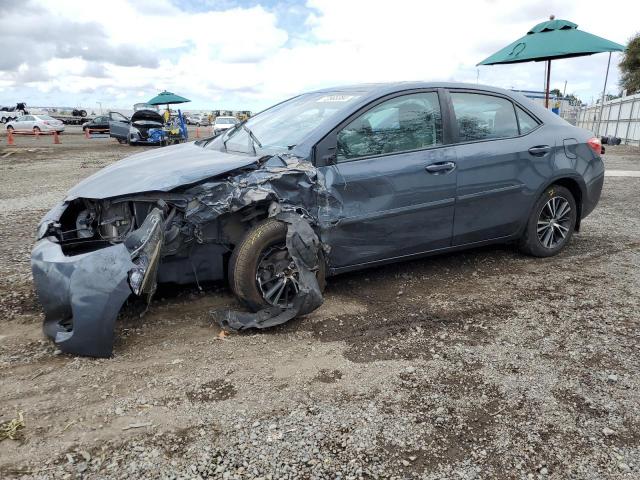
(335, 98)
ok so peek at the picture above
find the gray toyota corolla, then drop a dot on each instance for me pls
(325, 182)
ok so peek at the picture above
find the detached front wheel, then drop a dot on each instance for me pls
(261, 271)
(551, 223)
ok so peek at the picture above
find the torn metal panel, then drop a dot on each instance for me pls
(285, 180)
(304, 246)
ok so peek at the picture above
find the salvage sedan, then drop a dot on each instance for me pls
(320, 184)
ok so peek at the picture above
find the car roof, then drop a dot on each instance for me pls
(372, 91)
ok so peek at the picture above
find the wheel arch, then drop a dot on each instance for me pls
(576, 188)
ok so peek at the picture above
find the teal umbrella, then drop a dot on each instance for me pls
(552, 40)
(167, 98)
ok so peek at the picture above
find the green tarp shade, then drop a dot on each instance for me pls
(167, 98)
(552, 40)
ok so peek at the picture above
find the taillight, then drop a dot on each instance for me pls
(46, 122)
(596, 145)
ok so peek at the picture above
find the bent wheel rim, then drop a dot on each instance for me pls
(554, 222)
(277, 277)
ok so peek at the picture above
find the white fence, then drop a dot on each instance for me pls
(619, 117)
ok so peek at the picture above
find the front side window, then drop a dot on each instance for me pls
(482, 117)
(409, 122)
(118, 117)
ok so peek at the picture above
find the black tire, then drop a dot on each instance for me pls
(243, 264)
(531, 243)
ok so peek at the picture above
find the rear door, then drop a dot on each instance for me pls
(394, 180)
(497, 173)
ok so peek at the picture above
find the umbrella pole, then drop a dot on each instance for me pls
(546, 93)
(604, 89)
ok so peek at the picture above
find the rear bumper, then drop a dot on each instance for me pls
(594, 190)
(81, 295)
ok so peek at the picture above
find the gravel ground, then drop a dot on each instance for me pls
(482, 364)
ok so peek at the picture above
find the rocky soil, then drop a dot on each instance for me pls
(482, 364)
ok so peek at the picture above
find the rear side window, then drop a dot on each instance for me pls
(401, 124)
(483, 117)
(526, 121)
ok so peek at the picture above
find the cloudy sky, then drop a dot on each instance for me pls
(249, 54)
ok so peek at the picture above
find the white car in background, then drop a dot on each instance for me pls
(224, 123)
(36, 124)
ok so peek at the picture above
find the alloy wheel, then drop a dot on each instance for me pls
(277, 277)
(554, 222)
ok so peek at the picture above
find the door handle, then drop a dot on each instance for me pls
(540, 150)
(440, 167)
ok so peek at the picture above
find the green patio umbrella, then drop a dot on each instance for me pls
(552, 40)
(167, 98)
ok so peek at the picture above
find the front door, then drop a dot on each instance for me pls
(392, 181)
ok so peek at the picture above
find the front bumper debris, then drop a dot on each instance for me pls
(82, 294)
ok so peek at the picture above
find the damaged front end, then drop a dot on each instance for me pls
(84, 275)
(92, 254)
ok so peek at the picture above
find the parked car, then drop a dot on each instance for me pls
(198, 120)
(101, 122)
(36, 124)
(220, 124)
(324, 183)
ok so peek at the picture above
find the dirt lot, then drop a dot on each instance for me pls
(483, 364)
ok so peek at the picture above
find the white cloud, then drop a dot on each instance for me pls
(250, 57)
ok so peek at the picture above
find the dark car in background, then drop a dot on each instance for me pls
(323, 183)
(100, 123)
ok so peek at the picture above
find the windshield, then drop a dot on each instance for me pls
(286, 124)
(144, 106)
(226, 121)
(46, 117)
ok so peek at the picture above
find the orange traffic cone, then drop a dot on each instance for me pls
(56, 139)
(10, 137)
(86, 133)
(197, 132)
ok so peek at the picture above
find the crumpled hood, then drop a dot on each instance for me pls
(162, 169)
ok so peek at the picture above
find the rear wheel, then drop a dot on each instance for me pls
(551, 223)
(261, 271)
